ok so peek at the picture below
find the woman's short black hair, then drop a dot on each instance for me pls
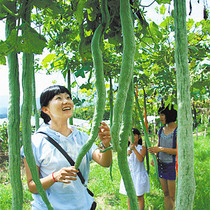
(169, 112)
(47, 95)
(136, 131)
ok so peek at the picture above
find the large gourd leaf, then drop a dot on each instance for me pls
(31, 41)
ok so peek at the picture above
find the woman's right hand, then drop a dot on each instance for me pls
(152, 163)
(66, 175)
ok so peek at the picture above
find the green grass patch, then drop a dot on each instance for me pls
(202, 173)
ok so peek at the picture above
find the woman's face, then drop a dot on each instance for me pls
(61, 106)
(162, 118)
(136, 139)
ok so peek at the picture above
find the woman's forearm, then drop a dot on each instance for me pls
(168, 150)
(103, 159)
(46, 182)
(138, 155)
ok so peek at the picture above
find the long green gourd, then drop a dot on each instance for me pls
(124, 101)
(26, 124)
(14, 120)
(26, 112)
(126, 70)
(122, 156)
(146, 136)
(100, 84)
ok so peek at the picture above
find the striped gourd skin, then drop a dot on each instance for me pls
(26, 123)
(99, 83)
(26, 111)
(14, 120)
(123, 107)
(122, 156)
(126, 70)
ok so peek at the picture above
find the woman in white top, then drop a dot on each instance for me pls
(63, 187)
(136, 153)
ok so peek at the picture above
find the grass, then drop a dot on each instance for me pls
(107, 191)
(6, 196)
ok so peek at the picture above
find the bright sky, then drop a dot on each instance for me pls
(43, 81)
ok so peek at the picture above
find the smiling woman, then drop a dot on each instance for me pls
(54, 101)
(58, 178)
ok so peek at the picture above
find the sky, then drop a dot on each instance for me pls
(43, 81)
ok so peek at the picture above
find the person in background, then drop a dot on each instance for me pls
(165, 151)
(136, 153)
(58, 178)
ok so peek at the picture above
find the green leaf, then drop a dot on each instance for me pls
(2, 60)
(2, 16)
(190, 23)
(48, 59)
(155, 29)
(87, 86)
(163, 1)
(206, 26)
(80, 72)
(3, 48)
(162, 9)
(12, 39)
(78, 102)
(31, 41)
(73, 84)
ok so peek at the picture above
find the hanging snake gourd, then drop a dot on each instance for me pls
(26, 112)
(14, 120)
(122, 156)
(126, 70)
(100, 84)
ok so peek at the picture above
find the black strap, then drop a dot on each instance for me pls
(52, 141)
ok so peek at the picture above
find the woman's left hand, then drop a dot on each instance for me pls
(132, 146)
(153, 150)
(104, 134)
